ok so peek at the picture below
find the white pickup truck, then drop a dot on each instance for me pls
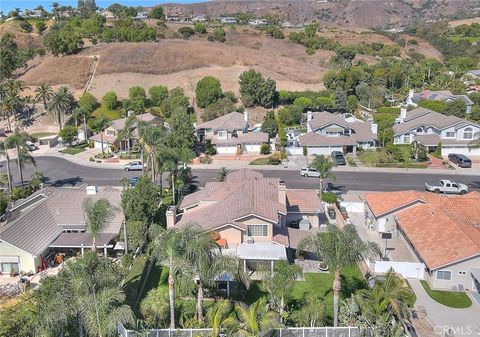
(447, 186)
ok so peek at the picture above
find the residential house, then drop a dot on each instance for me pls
(445, 96)
(441, 231)
(199, 18)
(248, 214)
(258, 23)
(228, 20)
(473, 74)
(109, 15)
(111, 140)
(53, 219)
(229, 134)
(141, 15)
(429, 128)
(327, 132)
(35, 13)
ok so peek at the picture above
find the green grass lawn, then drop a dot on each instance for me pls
(104, 112)
(260, 161)
(73, 150)
(373, 158)
(134, 279)
(42, 134)
(452, 299)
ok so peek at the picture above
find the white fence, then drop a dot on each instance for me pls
(406, 269)
(285, 332)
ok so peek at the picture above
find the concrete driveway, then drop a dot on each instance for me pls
(458, 322)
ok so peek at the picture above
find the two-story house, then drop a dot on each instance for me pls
(430, 128)
(327, 132)
(445, 96)
(112, 139)
(229, 134)
(248, 216)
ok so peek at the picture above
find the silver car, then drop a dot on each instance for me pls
(309, 172)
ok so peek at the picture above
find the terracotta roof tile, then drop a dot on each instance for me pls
(303, 201)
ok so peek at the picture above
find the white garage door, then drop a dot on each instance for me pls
(252, 148)
(324, 150)
(226, 149)
(460, 150)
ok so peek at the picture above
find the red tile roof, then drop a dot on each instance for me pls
(303, 201)
(386, 202)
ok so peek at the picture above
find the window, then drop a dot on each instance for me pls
(419, 130)
(257, 230)
(222, 134)
(406, 139)
(468, 133)
(111, 132)
(462, 273)
(445, 275)
(450, 134)
(9, 267)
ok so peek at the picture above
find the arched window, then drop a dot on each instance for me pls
(419, 130)
(468, 133)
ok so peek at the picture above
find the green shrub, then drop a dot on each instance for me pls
(186, 32)
(305, 151)
(388, 110)
(205, 160)
(329, 197)
(438, 151)
(210, 150)
(264, 148)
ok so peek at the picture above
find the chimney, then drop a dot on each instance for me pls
(374, 128)
(245, 116)
(171, 215)
(282, 192)
(91, 190)
(309, 119)
(403, 113)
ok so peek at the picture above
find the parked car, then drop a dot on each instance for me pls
(309, 172)
(331, 212)
(339, 159)
(337, 153)
(460, 159)
(343, 212)
(31, 146)
(447, 186)
(133, 181)
(135, 165)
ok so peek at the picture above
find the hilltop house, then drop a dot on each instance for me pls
(445, 96)
(109, 15)
(473, 74)
(199, 18)
(429, 128)
(141, 15)
(327, 132)
(34, 13)
(111, 140)
(53, 219)
(248, 216)
(228, 20)
(441, 231)
(258, 23)
(229, 134)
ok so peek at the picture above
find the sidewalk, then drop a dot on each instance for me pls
(465, 322)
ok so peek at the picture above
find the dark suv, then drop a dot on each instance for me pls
(339, 159)
(460, 159)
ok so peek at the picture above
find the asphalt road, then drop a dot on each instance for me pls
(60, 172)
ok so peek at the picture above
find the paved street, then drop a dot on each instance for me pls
(60, 172)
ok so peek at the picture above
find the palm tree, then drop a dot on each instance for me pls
(43, 93)
(11, 100)
(280, 284)
(149, 138)
(324, 167)
(97, 216)
(219, 318)
(60, 103)
(55, 7)
(339, 248)
(19, 141)
(84, 115)
(222, 173)
(169, 247)
(255, 318)
(4, 152)
(311, 311)
(98, 126)
(208, 262)
(127, 132)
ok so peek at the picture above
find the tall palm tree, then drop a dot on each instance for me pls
(98, 126)
(169, 247)
(43, 93)
(339, 248)
(255, 318)
(208, 262)
(150, 137)
(60, 103)
(219, 318)
(11, 100)
(97, 216)
(19, 141)
(126, 133)
(84, 115)
(324, 167)
(4, 152)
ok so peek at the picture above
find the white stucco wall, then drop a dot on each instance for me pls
(28, 263)
(466, 280)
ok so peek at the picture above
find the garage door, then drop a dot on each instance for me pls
(226, 149)
(252, 148)
(460, 150)
(319, 150)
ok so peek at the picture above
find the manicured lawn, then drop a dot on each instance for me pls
(260, 161)
(42, 134)
(104, 112)
(451, 299)
(73, 150)
(373, 158)
(134, 279)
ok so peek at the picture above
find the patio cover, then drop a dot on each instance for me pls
(75, 240)
(476, 274)
(261, 251)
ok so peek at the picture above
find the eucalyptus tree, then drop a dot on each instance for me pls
(169, 247)
(339, 248)
(98, 214)
(208, 263)
(44, 93)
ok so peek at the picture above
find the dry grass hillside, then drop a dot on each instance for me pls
(23, 39)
